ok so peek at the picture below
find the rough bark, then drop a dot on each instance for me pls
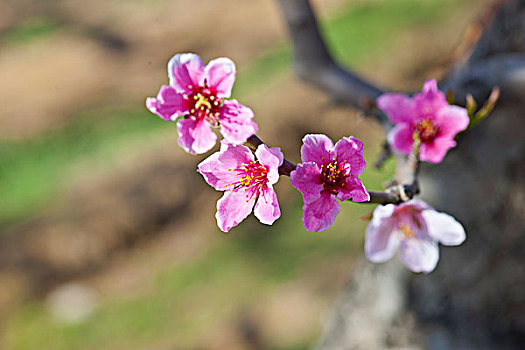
(476, 297)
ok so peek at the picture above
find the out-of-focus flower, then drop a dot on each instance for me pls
(328, 173)
(415, 228)
(426, 114)
(246, 181)
(197, 93)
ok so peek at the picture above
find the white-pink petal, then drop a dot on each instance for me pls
(267, 208)
(236, 124)
(444, 228)
(168, 104)
(233, 208)
(220, 76)
(381, 241)
(233, 156)
(186, 70)
(216, 173)
(272, 158)
(195, 136)
(184, 127)
(419, 255)
(204, 137)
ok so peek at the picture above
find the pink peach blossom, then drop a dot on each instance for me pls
(429, 115)
(415, 228)
(247, 182)
(328, 173)
(197, 94)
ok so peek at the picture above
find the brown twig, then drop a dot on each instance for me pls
(386, 153)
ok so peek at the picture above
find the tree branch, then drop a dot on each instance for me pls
(285, 169)
(314, 64)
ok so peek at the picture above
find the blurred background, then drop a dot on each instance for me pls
(107, 235)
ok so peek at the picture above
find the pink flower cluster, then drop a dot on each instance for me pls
(328, 173)
(197, 95)
(428, 115)
(197, 99)
(415, 229)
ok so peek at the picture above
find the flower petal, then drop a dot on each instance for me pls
(168, 105)
(419, 255)
(401, 138)
(185, 70)
(320, 214)
(354, 189)
(185, 128)
(315, 148)
(435, 152)
(381, 242)
(233, 156)
(236, 122)
(444, 228)
(430, 100)
(233, 208)
(451, 120)
(307, 179)
(195, 136)
(267, 208)
(416, 203)
(272, 158)
(399, 108)
(350, 150)
(216, 173)
(220, 76)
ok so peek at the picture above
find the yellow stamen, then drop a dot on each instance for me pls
(202, 101)
(407, 232)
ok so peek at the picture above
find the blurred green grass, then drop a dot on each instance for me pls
(31, 30)
(186, 300)
(32, 172)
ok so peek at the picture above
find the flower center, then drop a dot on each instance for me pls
(203, 104)
(426, 129)
(406, 231)
(252, 177)
(334, 173)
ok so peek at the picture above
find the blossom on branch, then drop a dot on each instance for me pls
(426, 115)
(197, 94)
(415, 228)
(328, 173)
(248, 182)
